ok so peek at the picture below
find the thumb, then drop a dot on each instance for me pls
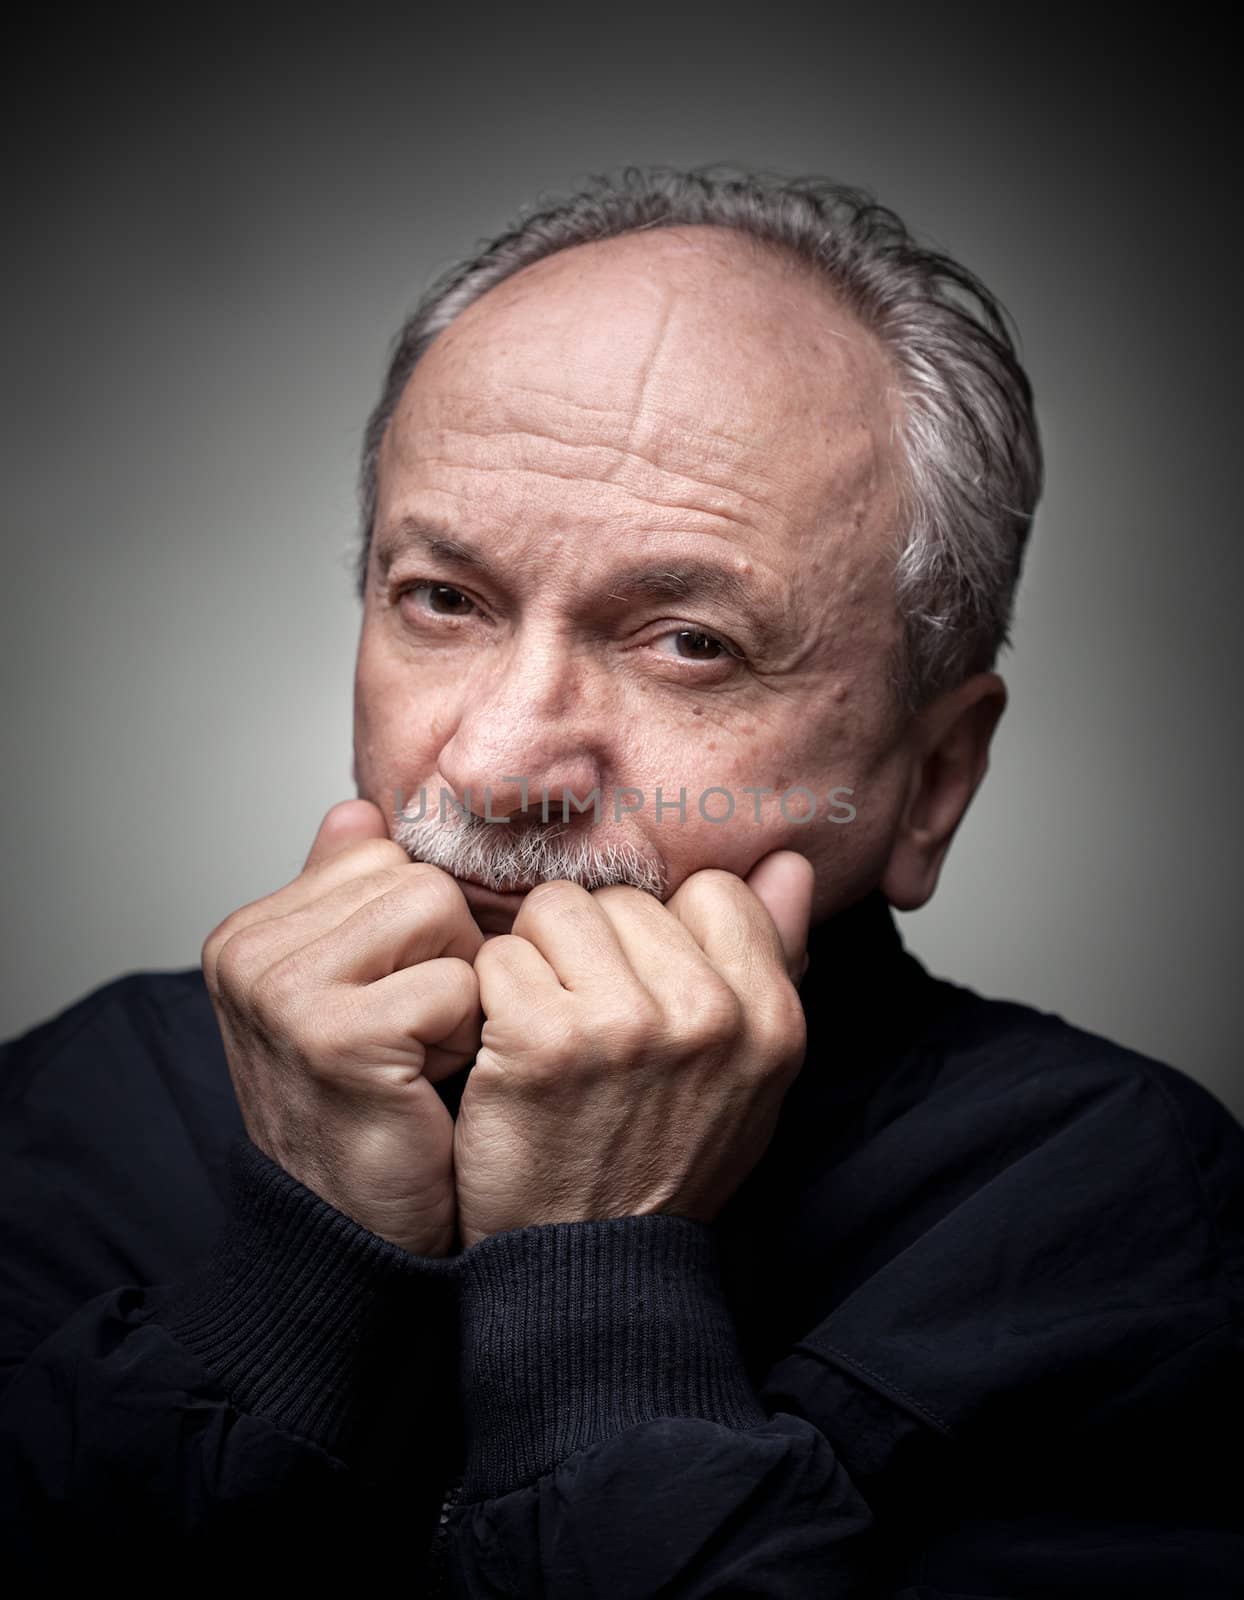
(346, 823)
(783, 882)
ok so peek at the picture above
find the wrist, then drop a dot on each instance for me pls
(299, 1313)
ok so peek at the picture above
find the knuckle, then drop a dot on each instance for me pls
(433, 884)
(631, 1026)
(385, 880)
(222, 934)
(456, 980)
(427, 893)
(374, 855)
(714, 1017)
(459, 976)
(209, 957)
(370, 903)
(237, 955)
(502, 953)
(218, 938)
(276, 994)
(780, 1024)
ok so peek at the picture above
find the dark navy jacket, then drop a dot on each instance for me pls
(972, 1327)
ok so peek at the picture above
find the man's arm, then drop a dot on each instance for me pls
(277, 1405)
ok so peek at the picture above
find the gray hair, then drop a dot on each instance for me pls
(969, 433)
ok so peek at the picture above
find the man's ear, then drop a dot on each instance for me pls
(950, 757)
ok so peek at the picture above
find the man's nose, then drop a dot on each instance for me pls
(529, 738)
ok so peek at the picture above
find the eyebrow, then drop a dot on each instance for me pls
(681, 580)
(678, 579)
(409, 535)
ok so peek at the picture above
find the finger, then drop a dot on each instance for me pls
(435, 1004)
(314, 902)
(783, 882)
(346, 823)
(573, 934)
(732, 927)
(660, 949)
(355, 863)
(423, 916)
(512, 976)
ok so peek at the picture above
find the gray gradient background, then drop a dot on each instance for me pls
(213, 237)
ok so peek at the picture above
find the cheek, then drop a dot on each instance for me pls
(719, 823)
(401, 719)
(813, 774)
(735, 845)
(848, 853)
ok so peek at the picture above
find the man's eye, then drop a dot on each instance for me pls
(693, 645)
(443, 598)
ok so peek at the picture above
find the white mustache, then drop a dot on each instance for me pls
(515, 857)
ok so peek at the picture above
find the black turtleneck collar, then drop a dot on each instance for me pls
(861, 983)
(856, 938)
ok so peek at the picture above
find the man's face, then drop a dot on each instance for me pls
(635, 531)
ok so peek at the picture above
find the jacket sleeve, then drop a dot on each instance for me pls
(615, 1444)
(278, 1405)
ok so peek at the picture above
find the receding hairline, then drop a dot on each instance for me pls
(729, 242)
(726, 240)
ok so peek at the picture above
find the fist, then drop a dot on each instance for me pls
(634, 1055)
(342, 999)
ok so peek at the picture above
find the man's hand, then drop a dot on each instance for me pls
(634, 1055)
(342, 998)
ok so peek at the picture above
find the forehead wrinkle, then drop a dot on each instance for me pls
(747, 463)
(628, 470)
(680, 419)
(729, 447)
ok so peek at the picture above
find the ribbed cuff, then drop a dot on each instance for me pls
(303, 1316)
(573, 1332)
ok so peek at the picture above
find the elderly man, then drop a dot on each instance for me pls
(523, 1197)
